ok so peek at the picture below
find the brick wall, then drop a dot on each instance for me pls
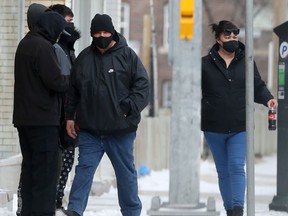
(8, 41)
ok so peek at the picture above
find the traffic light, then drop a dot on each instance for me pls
(186, 19)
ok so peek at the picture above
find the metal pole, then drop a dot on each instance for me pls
(154, 59)
(185, 119)
(249, 60)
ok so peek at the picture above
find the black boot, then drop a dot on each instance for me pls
(229, 212)
(237, 211)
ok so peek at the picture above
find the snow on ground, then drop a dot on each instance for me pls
(157, 184)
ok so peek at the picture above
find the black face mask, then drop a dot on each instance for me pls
(231, 46)
(68, 41)
(102, 42)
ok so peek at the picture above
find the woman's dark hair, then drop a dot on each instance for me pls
(219, 28)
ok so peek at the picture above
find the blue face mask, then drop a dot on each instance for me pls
(102, 42)
(231, 46)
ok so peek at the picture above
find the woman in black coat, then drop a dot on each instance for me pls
(223, 111)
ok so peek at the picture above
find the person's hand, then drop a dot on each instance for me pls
(272, 103)
(70, 127)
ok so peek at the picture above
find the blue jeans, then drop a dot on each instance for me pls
(119, 149)
(229, 153)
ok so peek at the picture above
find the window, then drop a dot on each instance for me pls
(125, 18)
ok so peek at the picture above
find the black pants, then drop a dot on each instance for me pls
(40, 169)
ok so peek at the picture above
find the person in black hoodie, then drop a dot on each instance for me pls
(223, 119)
(66, 55)
(37, 107)
(109, 88)
(34, 12)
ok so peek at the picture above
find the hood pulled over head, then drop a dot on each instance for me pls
(34, 12)
(51, 24)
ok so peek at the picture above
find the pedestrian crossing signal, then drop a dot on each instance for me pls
(186, 19)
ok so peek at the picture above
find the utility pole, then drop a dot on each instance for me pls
(249, 68)
(185, 119)
(185, 44)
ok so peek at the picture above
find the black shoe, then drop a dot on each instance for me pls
(229, 212)
(238, 211)
(70, 213)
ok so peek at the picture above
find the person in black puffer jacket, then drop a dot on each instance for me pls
(223, 110)
(109, 89)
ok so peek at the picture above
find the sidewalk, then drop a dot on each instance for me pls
(157, 184)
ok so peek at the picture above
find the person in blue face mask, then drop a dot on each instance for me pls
(223, 111)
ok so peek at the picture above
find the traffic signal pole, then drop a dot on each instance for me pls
(185, 56)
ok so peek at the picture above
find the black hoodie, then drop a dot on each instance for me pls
(38, 79)
(50, 25)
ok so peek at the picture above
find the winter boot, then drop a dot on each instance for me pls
(237, 211)
(229, 212)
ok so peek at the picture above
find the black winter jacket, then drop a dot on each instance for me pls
(38, 79)
(108, 91)
(223, 92)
